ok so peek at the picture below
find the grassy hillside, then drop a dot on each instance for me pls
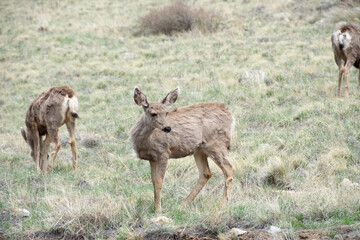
(293, 144)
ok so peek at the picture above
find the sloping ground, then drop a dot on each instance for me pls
(292, 133)
(341, 232)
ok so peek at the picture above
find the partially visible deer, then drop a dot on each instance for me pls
(202, 130)
(49, 111)
(346, 47)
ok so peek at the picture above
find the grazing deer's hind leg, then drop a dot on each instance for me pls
(341, 70)
(221, 160)
(71, 128)
(44, 152)
(204, 175)
(338, 63)
(346, 69)
(56, 146)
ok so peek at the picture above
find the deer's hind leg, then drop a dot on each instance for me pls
(346, 69)
(204, 175)
(53, 132)
(44, 152)
(219, 155)
(71, 128)
(341, 71)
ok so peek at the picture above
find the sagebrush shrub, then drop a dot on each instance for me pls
(179, 17)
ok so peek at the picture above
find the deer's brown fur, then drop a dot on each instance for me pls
(346, 47)
(49, 111)
(202, 130)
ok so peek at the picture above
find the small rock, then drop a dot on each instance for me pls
(321, 22)
(264, 146)
(338, 237)
(129, 55)
(237, 232)
(347, 183)
(23, 212)
(253, 78)
(161, 219)
(274, 229)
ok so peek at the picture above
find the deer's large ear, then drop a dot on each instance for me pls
(23, 134)
(140, 98)
(169, 100)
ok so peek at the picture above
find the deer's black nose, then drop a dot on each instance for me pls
(167, 129)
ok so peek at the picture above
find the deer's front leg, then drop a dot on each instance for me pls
(158, 169)
(36, 150)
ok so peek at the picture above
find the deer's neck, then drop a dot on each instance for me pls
(140, 133)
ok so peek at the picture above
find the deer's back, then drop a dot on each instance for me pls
(195, 127)
(353, 50)
(47, 107)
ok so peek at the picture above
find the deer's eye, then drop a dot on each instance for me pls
(153, 114)
(166, 113)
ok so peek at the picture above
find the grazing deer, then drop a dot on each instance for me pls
(346, 47)
(49, 111)
(202, 130)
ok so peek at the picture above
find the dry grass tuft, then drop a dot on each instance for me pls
(91, 141)
(179, 17)
(275, 173)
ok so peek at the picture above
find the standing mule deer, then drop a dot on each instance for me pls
(202, 130)
(346, 47)
(49, 111)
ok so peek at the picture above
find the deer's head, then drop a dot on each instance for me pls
(28, 139)
(155, 113)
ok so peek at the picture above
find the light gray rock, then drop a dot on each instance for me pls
(274, 229)
(235, 232)
(23, 212)
(253, 78)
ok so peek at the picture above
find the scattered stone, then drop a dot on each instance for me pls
(129, 55)
(274, 229)
(348, 184)
(235, 232)
(264, 146)
(253, 78)
(161, 220)
(23, 212)
(321, 22)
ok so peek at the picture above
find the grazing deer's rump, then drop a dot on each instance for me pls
(346, 47)
(202, 130)
(49, 111)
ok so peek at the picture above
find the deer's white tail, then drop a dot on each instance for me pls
(74, 106)
(341, 40)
